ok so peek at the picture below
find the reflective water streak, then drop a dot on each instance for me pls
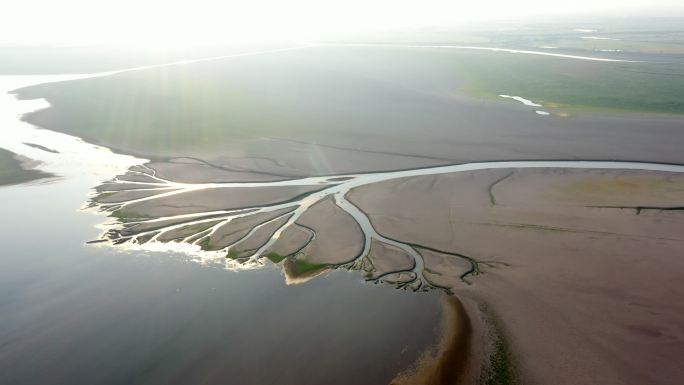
(72, 156)
(522, 100)
(492, 49)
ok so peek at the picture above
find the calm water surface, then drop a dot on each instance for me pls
(72, 313)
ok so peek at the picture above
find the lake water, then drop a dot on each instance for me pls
(72, 313)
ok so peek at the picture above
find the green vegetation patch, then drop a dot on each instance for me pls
(275, 257)
(236, 255)
(500, 368)
(302, 267)
(128, 216)
(645, 87)
(625, 44)
(204, 245)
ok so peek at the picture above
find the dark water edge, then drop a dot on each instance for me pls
(77, 314)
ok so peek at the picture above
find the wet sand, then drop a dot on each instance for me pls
(453, 360)
(586, 292)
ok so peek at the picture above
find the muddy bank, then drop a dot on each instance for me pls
(584, 293)
(539, 245)
(15, 169)
(456, 358)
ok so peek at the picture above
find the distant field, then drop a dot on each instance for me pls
(643, 87)
(660, 36)
(627, 44)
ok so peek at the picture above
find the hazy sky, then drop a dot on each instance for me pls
(158, 21)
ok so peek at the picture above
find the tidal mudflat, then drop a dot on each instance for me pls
(435, 231)
(504, 228)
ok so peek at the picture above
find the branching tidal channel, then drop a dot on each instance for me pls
(248, 235)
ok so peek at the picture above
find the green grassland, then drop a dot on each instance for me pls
(642, 87)
(663, 36)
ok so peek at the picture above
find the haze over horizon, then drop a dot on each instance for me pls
(183, 22)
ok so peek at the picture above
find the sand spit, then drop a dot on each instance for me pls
(449, 362)
(569, 316)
